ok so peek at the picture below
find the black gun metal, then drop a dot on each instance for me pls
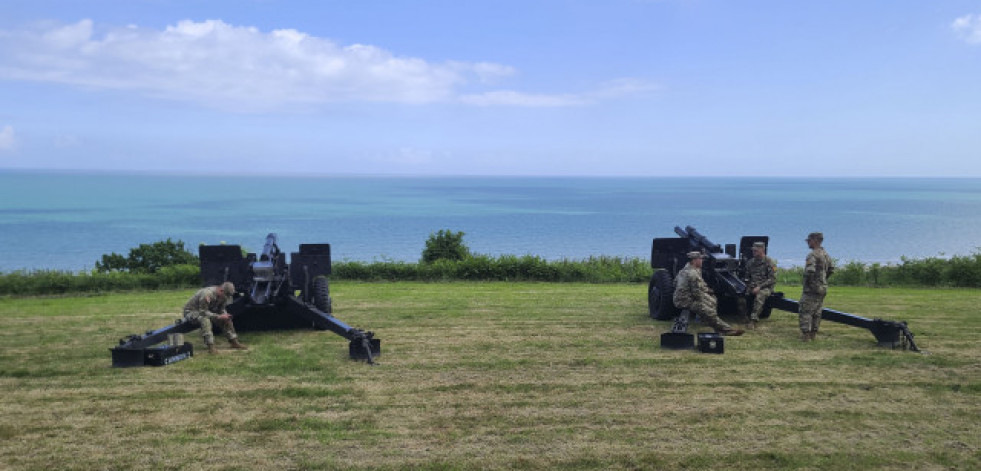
(266, 299)
(724, 271)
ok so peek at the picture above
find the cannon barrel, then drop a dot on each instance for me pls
(270, 249)
(697, 240)
(269, 272)
(721, 270)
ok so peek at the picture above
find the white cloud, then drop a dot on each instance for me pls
(513, 98)
(968, 28)
(610, 90)
(7, 140)
(236, 67)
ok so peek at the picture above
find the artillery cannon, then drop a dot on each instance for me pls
(266, 299)
(724, 271)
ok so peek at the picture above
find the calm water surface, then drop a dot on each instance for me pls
(67, 221)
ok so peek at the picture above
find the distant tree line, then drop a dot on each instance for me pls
(445, 257)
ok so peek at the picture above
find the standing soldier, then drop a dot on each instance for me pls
(207, 308)
(761, 270)
(691, 292)
(817, 269)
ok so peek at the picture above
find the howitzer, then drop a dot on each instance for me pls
(724, 271)
(265, 299)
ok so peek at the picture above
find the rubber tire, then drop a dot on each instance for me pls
(660, 296)
(321, 294)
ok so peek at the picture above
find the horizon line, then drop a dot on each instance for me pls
(174, 173)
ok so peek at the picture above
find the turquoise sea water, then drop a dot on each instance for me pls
(67, 221)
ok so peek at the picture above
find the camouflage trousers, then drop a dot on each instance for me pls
(707, 315)
(758, 302)
(810, 311)
(206, 321)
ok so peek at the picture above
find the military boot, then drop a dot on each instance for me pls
(212, 348)
(805, 337)
(237, 345)
(751, 325)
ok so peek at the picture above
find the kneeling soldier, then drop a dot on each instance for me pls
(691, 292)
(207, 308)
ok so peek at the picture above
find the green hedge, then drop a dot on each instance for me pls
(502, 268)
(958, 271)
(48, 282)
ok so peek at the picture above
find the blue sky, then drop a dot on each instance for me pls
(496, 87)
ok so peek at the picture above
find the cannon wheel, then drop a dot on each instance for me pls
(321, 294)
(660, 294)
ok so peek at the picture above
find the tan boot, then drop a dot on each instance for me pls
(805, 337)
(751, 325)
(237, 345)
(212, 348)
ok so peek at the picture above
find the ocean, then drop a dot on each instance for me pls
(67, 221)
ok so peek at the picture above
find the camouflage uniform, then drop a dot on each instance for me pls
(691, 292)
(761, 275)
(817, 269)
(204, 308)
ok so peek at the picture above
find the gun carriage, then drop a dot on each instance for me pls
(266, 299)
(724, 271)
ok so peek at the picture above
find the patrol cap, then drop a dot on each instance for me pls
(228, 288)
(815, 236)
(694, 254)
(759, 245)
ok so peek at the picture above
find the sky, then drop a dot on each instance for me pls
(493, 87)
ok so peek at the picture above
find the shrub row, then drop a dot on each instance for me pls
(502, 268)
(958, 271)
(49, 282)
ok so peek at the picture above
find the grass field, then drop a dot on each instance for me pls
(493, 376)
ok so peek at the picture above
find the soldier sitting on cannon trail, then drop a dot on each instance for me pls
(691, 293)
(207, 308)
(761, 274)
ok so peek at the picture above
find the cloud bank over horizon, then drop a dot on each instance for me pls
(241, 68)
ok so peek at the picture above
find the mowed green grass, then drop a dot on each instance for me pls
(493, 376)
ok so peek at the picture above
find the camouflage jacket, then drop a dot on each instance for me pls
(817, 269)
(690, 289)
(206, 301)
(761, 273)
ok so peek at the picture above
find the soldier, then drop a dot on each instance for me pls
(207, 308)
(761, 271)
(691, 292)
(817, 269)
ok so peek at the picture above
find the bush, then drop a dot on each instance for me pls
(148, 258)
(965, 271)
(445, 245)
